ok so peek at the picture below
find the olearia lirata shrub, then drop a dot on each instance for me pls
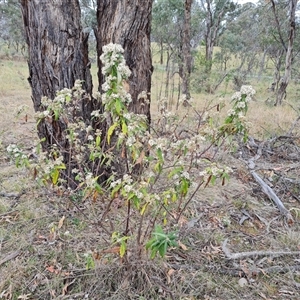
(171, 168)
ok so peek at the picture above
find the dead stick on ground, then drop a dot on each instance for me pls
(267, 190)
(15, 195)
(240, 255)
(10, 257)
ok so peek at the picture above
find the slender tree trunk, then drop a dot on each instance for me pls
(187, 58)
(208, 38)
(161, 52)
(278, 63)
(128, 23)
(262, 64)
(289, 54)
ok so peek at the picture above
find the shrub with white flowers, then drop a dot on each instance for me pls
(235, 121)
(151, 198)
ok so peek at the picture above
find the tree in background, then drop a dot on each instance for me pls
(288, 49)
(11, 25)
(186, 49)
(241, 43)
(216, 13)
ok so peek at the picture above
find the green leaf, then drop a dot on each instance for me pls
(124, 127)
(118, 106)
(122, 248)
(116, 189)
(56, 115)
(159, 155)
(98, 140)
(158, 229)
(175, 171)
(55, 176)
(163, 249)
(144, 208)
(110, 131)
(153, 253)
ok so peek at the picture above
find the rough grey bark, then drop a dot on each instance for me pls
(58, 52)
(289, 53)
(58, 56)
(187, 58)
(128, 23)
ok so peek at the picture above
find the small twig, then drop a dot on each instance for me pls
(9, 213)
(11, 195)
(241, 255)
(294, 124)
(189, 200)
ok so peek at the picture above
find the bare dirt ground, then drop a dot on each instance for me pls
(235, 243)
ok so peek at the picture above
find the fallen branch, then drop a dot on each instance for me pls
(241, 255)
(271, 194)
(8, 195)
(10, 257)
(237, 271)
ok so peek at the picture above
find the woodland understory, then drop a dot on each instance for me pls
(234, 241)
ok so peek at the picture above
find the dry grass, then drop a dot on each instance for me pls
(42, 257)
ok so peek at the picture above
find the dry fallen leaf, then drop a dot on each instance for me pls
(65, 288)
(182, 246)
(24, 297)
(50, 269)
(111, 250)
(61, 222)
(169, 274)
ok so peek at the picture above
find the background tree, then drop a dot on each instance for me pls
(175, 29)
(186, 49)
(240, 40)
(11, 25)
(216, 13)
(289, 51)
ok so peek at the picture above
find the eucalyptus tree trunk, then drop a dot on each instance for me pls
(128, 23)
(289, 53)
(58, 56)
(187, 58)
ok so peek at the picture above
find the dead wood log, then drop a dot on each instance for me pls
(271, 194)
(242, 255)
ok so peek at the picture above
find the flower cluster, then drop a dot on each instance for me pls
(173, 159)
(235, 121)
(17, 155)
(59, 105)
